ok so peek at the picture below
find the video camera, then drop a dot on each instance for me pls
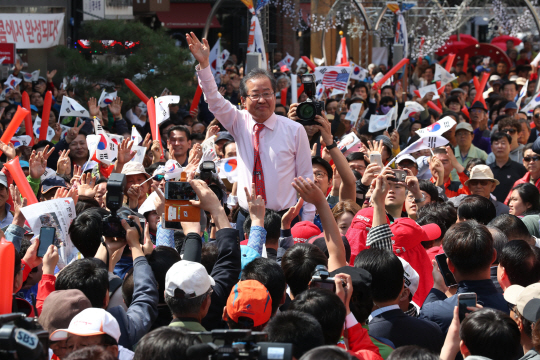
(310, 108)
(22, 337)
(249, 345)
(208, 174)
(111, 225)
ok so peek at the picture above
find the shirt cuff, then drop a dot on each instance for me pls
(350, 321)
(285, 233)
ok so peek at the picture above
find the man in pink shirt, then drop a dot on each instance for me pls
(272, 150)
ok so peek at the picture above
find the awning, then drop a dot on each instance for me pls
(187, 16)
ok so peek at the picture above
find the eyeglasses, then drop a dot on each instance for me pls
(320, 175)
(531, 158)
(256, 97)
(509, 131)
(158, 177)
(479, 182)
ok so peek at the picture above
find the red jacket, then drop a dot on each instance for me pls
(523, 180)
(360, 344)
(45, 287)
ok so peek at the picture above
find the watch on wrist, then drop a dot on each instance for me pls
(331, 146)
(422, 199)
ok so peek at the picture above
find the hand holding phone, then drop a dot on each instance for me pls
(447, 275)
(375, 158)
(465, 301)
(47, 235)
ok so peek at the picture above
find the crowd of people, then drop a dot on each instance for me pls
(343, 259)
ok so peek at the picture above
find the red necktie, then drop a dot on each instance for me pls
(258, 176)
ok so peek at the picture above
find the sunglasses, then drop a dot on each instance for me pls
(531, 158)
(158, 177)
(537, 115)
(509, 131)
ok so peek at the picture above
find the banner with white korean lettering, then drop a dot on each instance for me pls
(31, 31)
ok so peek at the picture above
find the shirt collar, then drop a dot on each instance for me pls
(382, 310)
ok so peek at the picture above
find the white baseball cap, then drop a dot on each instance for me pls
(411, 277)
(405, 157)
(90, 322)
(188, 276)
(520, 296)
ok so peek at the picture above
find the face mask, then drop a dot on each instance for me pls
(385, 109)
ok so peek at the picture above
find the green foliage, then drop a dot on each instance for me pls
(155, 51)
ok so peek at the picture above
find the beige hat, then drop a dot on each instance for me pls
(481, 172)
(521, 81)
(90, 322)
(134, 168)
(464, 126)
(520, 296)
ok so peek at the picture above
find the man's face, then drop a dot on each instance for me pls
(361, 93)
(229, 151)
(36, 99)
(512, 131)
(332, 107)
(509, 92)
(41, 86)
(533, 165)
(262, 108)
(153, 219)
(523, 135)
(464, 138)
(501, 148)
(75, 342)
(501, 68)
(78, 148)
(4, 195)
(165, 132)
(321, 177)
(414, 128)
(387, 92)
(477, 115)
(219, 147)
(446, 163)
(481, 187)
(100, 193)
(358, 165)
(197, 128)
(454, 106)
(396, 195)
(179, 142)
(536, 118)
(428, 75)
(408, 164)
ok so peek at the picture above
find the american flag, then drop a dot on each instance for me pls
(334, 80)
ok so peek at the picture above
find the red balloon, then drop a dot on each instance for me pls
(14, 125)
(7, 268)
(45, 116)
(23, 185)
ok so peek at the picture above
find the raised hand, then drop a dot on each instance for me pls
(125, 154)
(38, 164)
(50, 75)
(200, 51)
(159, 201)
(18, 204)
(50, 259)
(74, 131)
(116, 108)
(211, 131)
(133, 193)
(308, 191)
(31, 257)
(289, 216)
(63, 167)
(93, 107)
(324, 128)
(8, 149)
(88, 185)
(147, 142)
(375, 146)
(75, 179)
(256, 206)
(57, 132)
(292, 112)
(156, 151)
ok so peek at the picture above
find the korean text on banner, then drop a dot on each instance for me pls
(31, 31)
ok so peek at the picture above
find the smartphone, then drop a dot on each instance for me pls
(47, 236)
(466, 300)
(400, 175)
(375, 157)
(448, 277)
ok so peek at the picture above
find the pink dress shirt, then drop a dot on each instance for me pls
(283, 143)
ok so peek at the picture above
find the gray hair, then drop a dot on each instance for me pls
(254, 74)
(185, 306)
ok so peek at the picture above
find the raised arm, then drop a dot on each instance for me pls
(312, 194)
(347, 191)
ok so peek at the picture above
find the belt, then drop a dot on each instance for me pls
(246, 213)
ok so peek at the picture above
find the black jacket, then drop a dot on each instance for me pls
(225, 273)
(402, 330)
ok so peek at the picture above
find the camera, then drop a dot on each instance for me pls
(111, 225)
(310, 108)
(247, 345)
(22, 337)
(320, 278)
(207, 173)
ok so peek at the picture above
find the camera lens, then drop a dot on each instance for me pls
(306, 111)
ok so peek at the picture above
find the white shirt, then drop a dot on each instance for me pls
(382, 310)
(283, 147)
